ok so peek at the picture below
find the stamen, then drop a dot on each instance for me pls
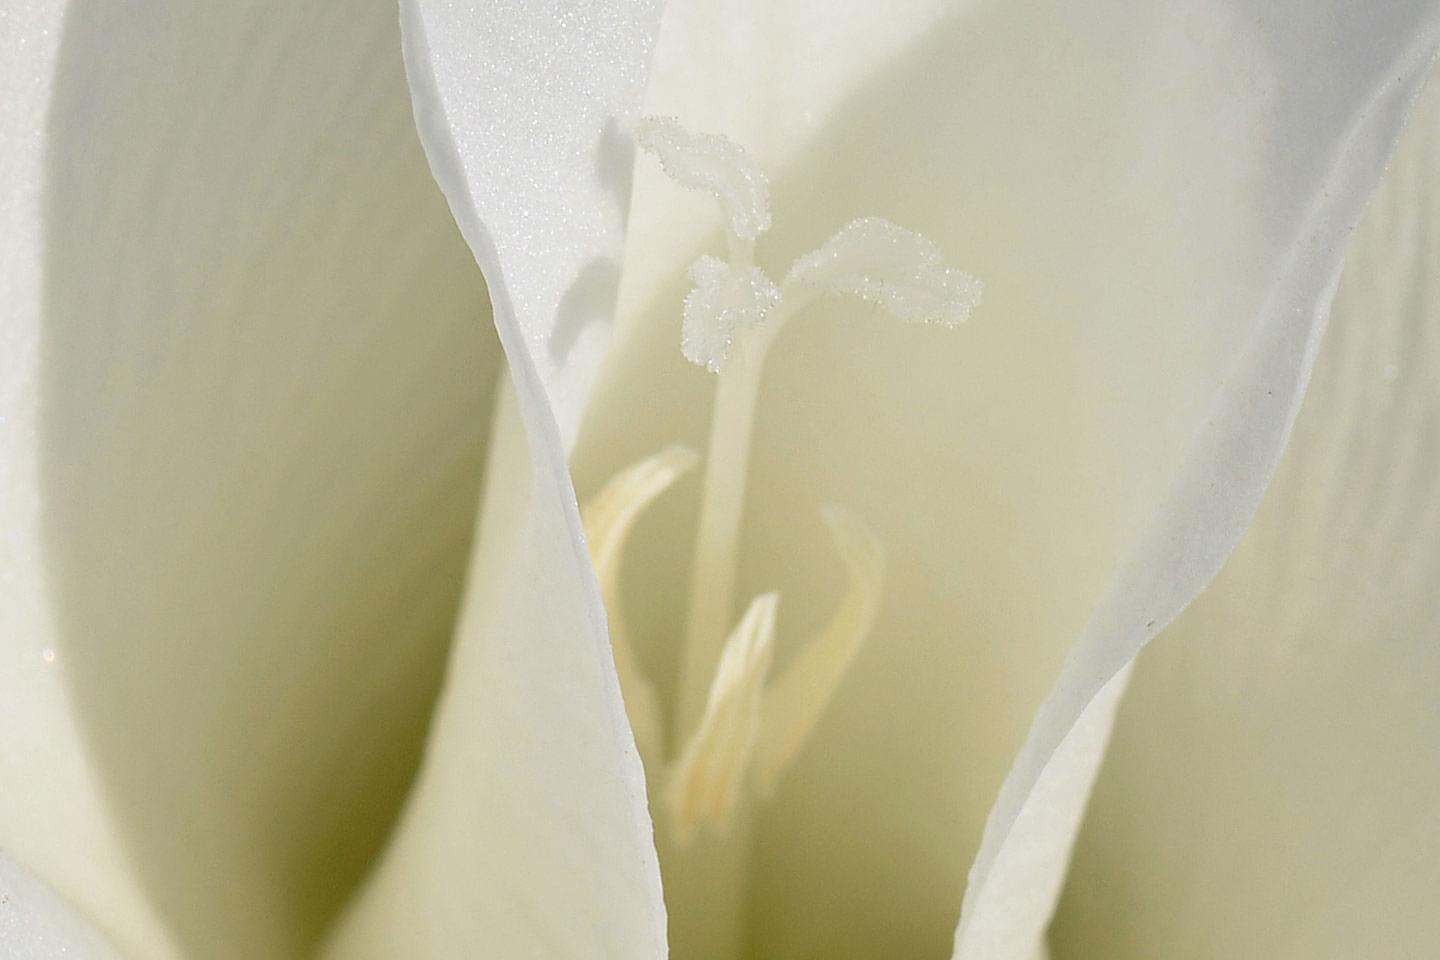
(706, 781)
(716, 164)
(607, 520)
(725, 300)
(900, 270)
(793, 704)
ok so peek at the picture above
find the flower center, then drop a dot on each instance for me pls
(735, 729)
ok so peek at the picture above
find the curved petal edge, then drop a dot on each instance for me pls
(528, 831)
(1210, 503)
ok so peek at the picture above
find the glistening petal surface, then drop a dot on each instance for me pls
(528, 834)
(35, 924)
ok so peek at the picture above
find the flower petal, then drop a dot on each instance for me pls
(1272, 787)
(246, 397)
(523, 108)
(1219, 486)
(1132, 183)
(52, 815)
(527, 834)
(35, 924)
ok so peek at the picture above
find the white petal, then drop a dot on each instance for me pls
(523, 109)
(243, 427)
(527, 834)
(1219, 485)
(1133, 184)
(35, 924)
(1022, 888)
(51, 810)
(1273, 786)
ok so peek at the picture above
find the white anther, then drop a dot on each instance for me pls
(706, 781)
(896, 268)
(725, 300)
(716, 164)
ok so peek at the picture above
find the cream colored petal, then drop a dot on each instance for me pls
(518, 840)
(35, 924)
(527, 833)
(525, 110)
(1272, 791)
(245, 406)
(1022, 887)
(53, 816)
(1139, 187)
(1219, 485)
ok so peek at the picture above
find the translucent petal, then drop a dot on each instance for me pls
(608, 518)
(527, 833)
(522, 111)
(1272, 787)
(876, 260)
(244, 395)
(1218, 487)
(724, 301)
(53, 813)
(796, 701)
(709, 162)
(1022, 890)
(708, 777)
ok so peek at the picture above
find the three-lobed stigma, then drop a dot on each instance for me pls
(871, 258)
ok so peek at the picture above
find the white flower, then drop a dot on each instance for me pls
(244, 379)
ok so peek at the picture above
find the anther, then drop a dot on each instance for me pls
(607, 520)
(794, 703)
(706, 782)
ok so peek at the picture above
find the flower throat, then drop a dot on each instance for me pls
(735, 728)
